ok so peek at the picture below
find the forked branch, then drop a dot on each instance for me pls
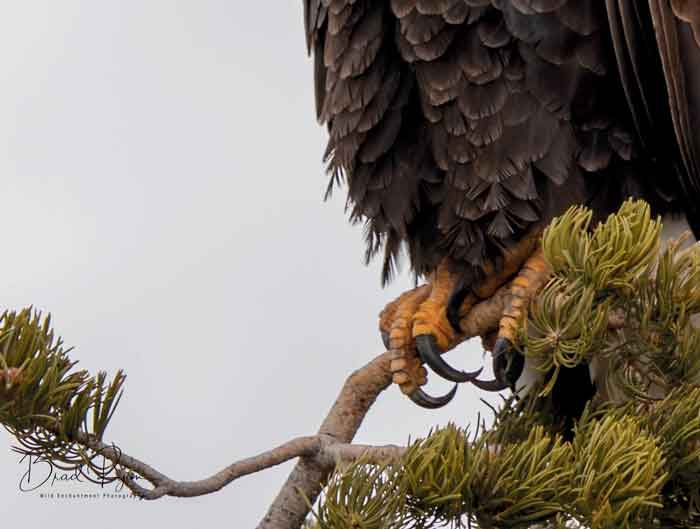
(318, 454)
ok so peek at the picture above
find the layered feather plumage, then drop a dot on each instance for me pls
(458, 124)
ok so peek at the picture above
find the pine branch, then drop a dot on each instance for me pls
(319, 454)
(290, 508)
(60, 426)
(631, 460)
(624, 304)
(322, 449)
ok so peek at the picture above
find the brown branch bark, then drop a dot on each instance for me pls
(289, 510)
(321, 448)
(318, 454)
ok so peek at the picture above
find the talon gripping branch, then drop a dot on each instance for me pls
(462, 127)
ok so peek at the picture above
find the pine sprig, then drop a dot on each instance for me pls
(618, 472)
(44, 403)
(362, 496)
(617, 268)
(612, 255)
(435, 473)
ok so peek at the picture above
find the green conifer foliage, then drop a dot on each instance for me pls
(46, 404)
(633, 458)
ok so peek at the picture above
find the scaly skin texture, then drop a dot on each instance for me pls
(423, 310)
(397, 321)
(431, 317)
(530, 279)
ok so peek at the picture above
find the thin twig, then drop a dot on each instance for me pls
(320, 448)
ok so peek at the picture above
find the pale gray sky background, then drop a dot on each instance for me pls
(161, 195)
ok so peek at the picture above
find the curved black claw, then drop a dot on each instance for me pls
(508, 364)
(454, 304)
(430, 354)
(386, 339)
(424, 400)
(489, 385)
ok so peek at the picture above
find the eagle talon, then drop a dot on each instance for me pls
(386, 339)
(454, 305)
(489, 385)
(508, 364)
(420, 397)
(503, 367)
(430, 354)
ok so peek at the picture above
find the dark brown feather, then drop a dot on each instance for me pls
(688, 11)
(457, 124)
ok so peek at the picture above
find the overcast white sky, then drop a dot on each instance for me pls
(161, 195)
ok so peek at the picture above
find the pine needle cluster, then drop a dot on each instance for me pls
(45, 403)
(632, 461)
